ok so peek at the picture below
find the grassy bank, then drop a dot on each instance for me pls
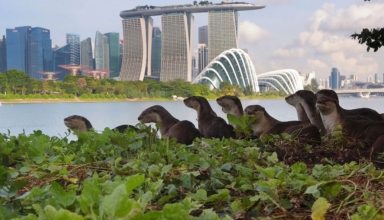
(138, 176)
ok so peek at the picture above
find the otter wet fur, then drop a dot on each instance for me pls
(81, 124)
(307, 100)
(369, 132)
(300, 111)
(266, 124)
(184, 131)
(210, 125)
(232, 105)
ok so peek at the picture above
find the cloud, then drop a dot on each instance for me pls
(249, 32)
(353, 18)
(288, 53)
(314, 63)
(354, 65)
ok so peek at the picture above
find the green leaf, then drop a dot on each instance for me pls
(298, 167)
(64, 198)
(367, 211)
(237, 206)
(226, 167)
(331, 189)
(175, 212)
(118, 203)
(319, 208)
(63, 214)
(90, 197)
(273, 158)
(200, 195)
(268, 172)
(133, 182)
(313, 190)
(165, 169)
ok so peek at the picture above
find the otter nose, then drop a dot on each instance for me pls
(139, 118)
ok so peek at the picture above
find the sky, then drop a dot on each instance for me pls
(305, 35)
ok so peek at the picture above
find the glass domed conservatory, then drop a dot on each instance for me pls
(235, 66)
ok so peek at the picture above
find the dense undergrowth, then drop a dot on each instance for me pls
(138, 176)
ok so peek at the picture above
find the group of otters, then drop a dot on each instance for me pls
(318, 114)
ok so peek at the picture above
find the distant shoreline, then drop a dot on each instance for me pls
(77, 100)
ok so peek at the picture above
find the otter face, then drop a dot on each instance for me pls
(306, 95)
(193, 102)
(77, 122)
(326, 104)
(149, 115)
(228, 103)
(253, 110)
(291, 100)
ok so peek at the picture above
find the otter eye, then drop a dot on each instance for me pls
(154, 110)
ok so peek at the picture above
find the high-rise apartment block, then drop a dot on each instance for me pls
(203, 35)
(101, 52)
(3, 55)
(202, 57)
(176, 53)
(335, 79)
(86, 58)
(114, 53)
(74, 44)
(156, 52)
(176, 37)
(223, 32)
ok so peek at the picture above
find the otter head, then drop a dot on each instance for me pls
(194, 102)
(253, 110)
(327, 101)
(150, 114)
(229, 103)
(306, 95)
(77, 122)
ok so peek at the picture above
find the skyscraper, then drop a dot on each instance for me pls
(203, 35)
(101, 52)
(156, 52)
(335, 76)
(176, 46)
(86, 59)
(74, 44)
(222, 32)
(114, 53)
(40, 52)
(202, 56)
(17, 48)
(61, 56)
(3, 55)
(137, 48)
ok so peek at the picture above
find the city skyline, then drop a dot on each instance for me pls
(314, 38)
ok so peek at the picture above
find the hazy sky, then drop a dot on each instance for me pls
(306, 35)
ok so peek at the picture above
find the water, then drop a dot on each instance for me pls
(48, 117)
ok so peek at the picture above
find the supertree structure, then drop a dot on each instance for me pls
(72, 68)
(48, 75)
(98, 74)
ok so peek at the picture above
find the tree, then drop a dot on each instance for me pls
(16, 79)
(314, 85)
(374, 38)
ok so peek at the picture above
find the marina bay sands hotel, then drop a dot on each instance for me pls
(177, 24)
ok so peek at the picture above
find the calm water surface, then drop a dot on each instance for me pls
(48, 117)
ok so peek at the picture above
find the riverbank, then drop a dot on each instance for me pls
(74, 100)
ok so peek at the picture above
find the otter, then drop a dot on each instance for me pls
(232, 105)
(210, 125)
(184, 131)
(369, 132)
(306, 100)
(81, 124)
(266, 124)
(382, 115)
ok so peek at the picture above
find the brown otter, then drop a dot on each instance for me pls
(382, 115)
(232, 105)
(184, 131)
(369, 132)
(300, 111)
(307, 100)
(210, 125)
(266, 124)
(81, 124)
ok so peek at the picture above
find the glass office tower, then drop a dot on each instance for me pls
(39, 52)
(335, 79)
(61, 56)
(156, 52)
(74, 44)
(86, 55)
(3, 55)
(17, 48)
(114, 53)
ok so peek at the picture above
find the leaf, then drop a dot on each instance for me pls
(298, 167)
(165, 169)
(331, 189)
(117, 204)
(200, 195)
(268, 172)
(133, 182)
(319, 208)
(63, 214)
(175, 212)
(64, 198)
(313, 190)
(90, 196)
(226, 167)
